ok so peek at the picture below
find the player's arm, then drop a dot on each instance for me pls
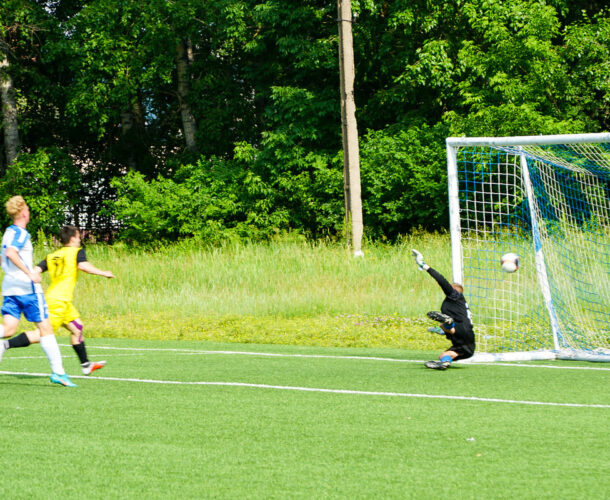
(12, 254)
(84, 265)
(91, 269)
(440, 279)
(442, 282)
(41, 267)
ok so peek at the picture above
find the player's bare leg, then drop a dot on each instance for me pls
(8, 330)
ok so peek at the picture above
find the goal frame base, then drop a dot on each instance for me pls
(599, 356)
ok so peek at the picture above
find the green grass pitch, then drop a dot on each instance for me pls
(169, 419)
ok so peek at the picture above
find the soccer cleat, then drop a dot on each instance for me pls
(437, 365)
(62, 380)
(436, 329)
(440, 317)
(91, 366)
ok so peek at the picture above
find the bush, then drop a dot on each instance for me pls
(404, 180)
(209, 201)
(250, 197)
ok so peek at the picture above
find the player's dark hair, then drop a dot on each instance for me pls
(66, 233)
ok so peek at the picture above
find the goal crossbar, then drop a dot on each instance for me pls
(524, 140)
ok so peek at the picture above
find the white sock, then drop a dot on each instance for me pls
(51, 349)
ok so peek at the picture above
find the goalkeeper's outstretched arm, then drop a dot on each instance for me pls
(447, 287)
(440, 279)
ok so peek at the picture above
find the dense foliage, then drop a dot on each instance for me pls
(149, 119)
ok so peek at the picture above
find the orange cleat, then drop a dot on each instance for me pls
(91, 366)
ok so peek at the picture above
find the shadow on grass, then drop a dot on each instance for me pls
(5, 377)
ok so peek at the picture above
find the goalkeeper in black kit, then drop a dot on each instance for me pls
(455, 320)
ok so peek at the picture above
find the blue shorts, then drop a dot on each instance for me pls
(32, 306)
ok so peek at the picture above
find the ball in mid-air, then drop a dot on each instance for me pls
(510, 262)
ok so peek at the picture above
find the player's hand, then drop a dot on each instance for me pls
(419, 259)
(108, 274)
(36, 277)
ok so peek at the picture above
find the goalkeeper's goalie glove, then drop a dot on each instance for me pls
(419, 260)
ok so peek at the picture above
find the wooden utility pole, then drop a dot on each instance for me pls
(351, 156)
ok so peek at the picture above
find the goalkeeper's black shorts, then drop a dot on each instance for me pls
(463, 351)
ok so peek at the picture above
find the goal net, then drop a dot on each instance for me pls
(547, 199)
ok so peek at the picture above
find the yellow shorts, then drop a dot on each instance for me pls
(62, 313)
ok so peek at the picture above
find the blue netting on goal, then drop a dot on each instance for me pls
(557, 219)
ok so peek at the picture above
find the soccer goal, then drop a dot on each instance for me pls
(547, 199)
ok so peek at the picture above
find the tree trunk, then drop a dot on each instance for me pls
(9, 111)
(184, 57)
(127, 121)
(351, 155)
(134, 140)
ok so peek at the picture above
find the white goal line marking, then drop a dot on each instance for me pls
(321, 390)
(329, 356)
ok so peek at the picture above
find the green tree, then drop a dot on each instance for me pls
(242, 97)
(50, 183)
(586, 49)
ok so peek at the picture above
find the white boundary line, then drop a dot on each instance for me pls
(328, 356)
(321, 390)
(193, 352)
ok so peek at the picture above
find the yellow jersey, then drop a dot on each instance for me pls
(63, 270)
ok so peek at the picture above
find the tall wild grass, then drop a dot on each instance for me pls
(273, 292)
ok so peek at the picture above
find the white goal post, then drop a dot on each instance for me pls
(547, 199)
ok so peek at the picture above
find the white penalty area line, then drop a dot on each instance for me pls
(194, 352)
(320, 390)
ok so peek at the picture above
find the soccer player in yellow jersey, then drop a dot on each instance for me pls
(63, 266)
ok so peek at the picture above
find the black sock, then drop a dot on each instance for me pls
(20, 340)
(81, 352)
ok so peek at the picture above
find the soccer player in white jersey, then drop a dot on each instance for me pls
(21, 289)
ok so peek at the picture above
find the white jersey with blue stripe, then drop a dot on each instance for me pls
(15, 281)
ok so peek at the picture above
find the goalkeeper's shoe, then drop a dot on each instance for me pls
(436, 329)
(90, 366)
(440, 317)
(437, 365)
(62, 380)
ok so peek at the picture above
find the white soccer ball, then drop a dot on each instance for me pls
(510, 262)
